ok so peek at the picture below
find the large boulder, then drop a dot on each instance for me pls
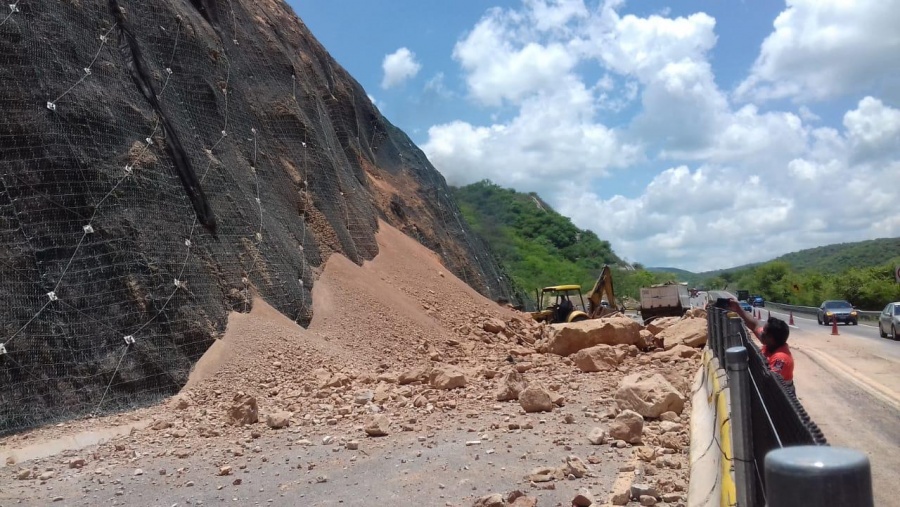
(689, 332)
(649, 395)
(567, 339)
(657, 325)
(598, 358)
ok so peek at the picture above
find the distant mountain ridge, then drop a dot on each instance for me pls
(834, 258)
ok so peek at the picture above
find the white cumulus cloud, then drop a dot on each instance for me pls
(821, 49)
(398, 67)
(735, 181)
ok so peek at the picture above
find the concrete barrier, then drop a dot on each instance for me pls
(712, 476)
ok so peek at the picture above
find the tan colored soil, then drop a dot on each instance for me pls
(371, 323)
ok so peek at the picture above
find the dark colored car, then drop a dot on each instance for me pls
(745, 306)
(839, 310)
(757, 301)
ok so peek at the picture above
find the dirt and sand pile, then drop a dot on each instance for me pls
(400, 346)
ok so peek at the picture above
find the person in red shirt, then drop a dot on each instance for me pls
(773, 335)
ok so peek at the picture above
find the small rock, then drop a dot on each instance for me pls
(639, 489)
(378, 426)
(23, 474)
(494, 500)
(138, 471)
(535, 399)
(76, 463)
(575, 466)
(225, 470)
(243, 410)
(161, 425)
(584, 498)
(279, 420)
(647, 500)
(597, 436)
(352, 445)
(671, 497)
(545, 474)
(627, 426)
(524, 501)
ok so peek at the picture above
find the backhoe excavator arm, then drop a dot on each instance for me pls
(603, 287)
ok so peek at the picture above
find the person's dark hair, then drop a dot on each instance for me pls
(778, 331)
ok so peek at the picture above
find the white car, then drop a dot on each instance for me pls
(889, 320)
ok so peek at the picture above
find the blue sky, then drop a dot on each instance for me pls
(692, 134)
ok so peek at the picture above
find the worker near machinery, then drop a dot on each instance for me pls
(773, 335)
(565, 308)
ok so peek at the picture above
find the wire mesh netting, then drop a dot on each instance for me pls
(161, 163)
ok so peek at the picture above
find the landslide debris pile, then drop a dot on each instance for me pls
(160, 162)
(399, 350)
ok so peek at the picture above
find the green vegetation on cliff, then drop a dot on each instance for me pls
(540, 247)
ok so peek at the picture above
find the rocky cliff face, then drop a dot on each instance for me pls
(162, 161)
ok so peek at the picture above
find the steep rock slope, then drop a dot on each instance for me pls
(160, 162)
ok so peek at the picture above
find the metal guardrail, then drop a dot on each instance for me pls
(812, 310)
(772, 434)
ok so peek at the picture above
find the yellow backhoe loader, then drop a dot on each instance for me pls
(559, 306)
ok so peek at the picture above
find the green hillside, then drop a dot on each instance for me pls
(540, 247)
(843, 256)
(862, 273)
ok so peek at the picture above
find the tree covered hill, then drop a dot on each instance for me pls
(843, 256)
(862, 273)
(538, 246)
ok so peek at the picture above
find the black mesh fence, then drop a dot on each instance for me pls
(777, 419)
(160, 162)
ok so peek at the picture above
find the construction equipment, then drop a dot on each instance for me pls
(602, 298)
(559, 306)
(667, 300)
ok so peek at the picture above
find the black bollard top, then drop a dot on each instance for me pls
(818, 475)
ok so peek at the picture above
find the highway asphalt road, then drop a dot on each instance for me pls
(850, 386)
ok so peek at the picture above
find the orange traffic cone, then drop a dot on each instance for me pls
(834, 331)
(791, 322)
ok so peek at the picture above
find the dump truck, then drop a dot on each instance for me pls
(666, 300)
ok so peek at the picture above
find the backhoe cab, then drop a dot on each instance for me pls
(559, 305)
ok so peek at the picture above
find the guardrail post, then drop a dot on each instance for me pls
(741, 436)
(733, 332)
(818, 475)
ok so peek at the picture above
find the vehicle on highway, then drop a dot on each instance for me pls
(758, 301)
(745, 306)
(889, 320)
(837, 309)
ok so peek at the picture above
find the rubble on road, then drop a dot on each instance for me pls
(419, 352)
